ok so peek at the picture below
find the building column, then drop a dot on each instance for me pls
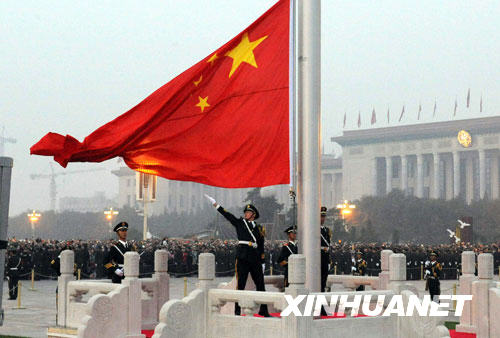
(436, 175)
(404, 174)
(494, 176)
(420, 176)
(388, 174)
(482, 173)
(375, 176)
(456, 174)
(469, 177)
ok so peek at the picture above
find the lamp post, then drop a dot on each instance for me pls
(33, 218)
(345, 209)
(110, 214)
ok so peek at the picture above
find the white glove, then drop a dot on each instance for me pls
(254, 245)
(211, 199)
(119, 272)
(353, 268)
(263, 268)
(353, 260)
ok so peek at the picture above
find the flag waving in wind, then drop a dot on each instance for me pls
(223, 122)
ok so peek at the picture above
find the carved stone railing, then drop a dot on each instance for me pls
(481, 316)
(74, 296)
(352, 282)
(79, 294)
(119, 313)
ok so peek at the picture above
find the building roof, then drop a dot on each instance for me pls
(123, 171)
(483, 125)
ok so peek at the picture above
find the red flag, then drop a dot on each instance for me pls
(223, 122)
(402, 113)
(359, 119)
(374, 117)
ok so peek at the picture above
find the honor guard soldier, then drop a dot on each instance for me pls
(250, 251)
(289, 248)
(359, 268)
(432, 274)
(325, 249)
(13, 267)
(116, 255)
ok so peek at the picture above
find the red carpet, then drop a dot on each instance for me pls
(455, 334)
(148, 333)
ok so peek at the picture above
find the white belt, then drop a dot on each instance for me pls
(324, 248)
(120, 265)
(253, 245)
(13, 268)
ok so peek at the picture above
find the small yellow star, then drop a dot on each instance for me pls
(203, 103)
(196, 83)
(244, 52)
(212, 59)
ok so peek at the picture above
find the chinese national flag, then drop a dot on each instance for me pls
(223, 122)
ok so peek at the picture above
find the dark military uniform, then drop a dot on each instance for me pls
(116, 256)
(250, 252)
(289, 248)
(432, 274)
(359, 269)
(325, 255)
(13, 267)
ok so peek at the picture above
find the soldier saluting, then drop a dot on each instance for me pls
(289, 248)
(250, 251)
(116, 255)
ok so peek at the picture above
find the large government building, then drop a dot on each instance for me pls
(432, 160)
(428, 160)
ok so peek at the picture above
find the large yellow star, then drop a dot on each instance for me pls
(244, 52)
(203, 103)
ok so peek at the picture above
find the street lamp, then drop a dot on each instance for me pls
(345, 210)
(33, 218)
(109, 216)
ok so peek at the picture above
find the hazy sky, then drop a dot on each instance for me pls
(70, 67)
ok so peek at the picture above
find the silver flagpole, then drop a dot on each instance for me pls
(309, 117)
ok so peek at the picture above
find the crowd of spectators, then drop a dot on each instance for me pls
(90, 256)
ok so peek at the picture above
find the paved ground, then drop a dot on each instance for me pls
(39, 310)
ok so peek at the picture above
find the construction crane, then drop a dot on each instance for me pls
(4, 140)
(52, 176)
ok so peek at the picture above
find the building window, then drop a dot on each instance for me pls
(395, 169)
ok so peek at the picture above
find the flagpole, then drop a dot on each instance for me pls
(309, 117)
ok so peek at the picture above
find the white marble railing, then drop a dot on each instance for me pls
(479, 315)
(352, 282)
(75, 296)
(76, 302)
(104, 314)
(201, 313)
